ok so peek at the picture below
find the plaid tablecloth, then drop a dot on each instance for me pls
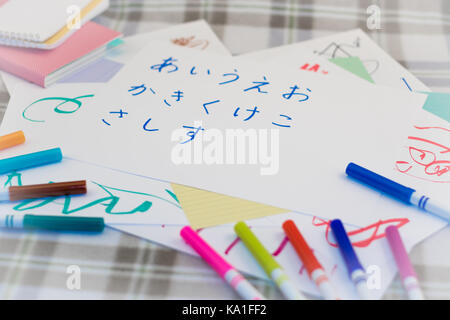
(116, 265)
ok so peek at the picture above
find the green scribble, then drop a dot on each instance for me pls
(108, 202)
(57, 109)
(11, 176)
(105, 188)
(173, 195)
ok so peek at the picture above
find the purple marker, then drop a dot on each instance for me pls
(406, 270)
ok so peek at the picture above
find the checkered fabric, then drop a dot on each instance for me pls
(114, 265)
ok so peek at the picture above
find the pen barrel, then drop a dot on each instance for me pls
(220, 265)
(310, 262)
(405, 268)
(30, 160)
(411, 285)
(286, 287)
(204, 250)
(399, 252)
(345, 247)
(63, 223)
(243, 287)
(430, 206)
(12, 139)
(301, 247)
(11, 221)
(47, 190)
(267, 262)
(359, 279)
(379, 182)
(256, 248)
(323, 284)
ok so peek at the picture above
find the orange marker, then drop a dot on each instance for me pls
(312, 265)
(11, 140)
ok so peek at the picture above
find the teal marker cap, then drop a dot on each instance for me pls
(58, 223)
(30, 160)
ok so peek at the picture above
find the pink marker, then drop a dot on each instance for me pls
(407, 273)
(222, 267)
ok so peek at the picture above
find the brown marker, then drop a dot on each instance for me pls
(36, 191)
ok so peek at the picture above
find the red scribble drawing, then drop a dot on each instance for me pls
(191, 42)
(335, 267)
(314, 68)
(281, 246)
(302, 269)
(427, 158)
(425, 128)
(279, 249)
(362, 237)
(446, 149)
(275, 253)
(231, 246)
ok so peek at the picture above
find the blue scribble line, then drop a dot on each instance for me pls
(404, 80)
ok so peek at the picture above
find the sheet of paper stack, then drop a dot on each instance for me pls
(167, 100)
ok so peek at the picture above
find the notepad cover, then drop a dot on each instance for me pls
(35, 65)
(24, 18)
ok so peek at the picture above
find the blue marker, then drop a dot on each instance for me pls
(30, 160)
(402, 193)
(52, 223)
(355, 269)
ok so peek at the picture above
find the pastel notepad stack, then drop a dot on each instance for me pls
(45, 24)
(45, 67)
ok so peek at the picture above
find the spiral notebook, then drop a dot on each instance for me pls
(45, 24)
(44, 67)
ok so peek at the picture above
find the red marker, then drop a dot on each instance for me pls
(312, 265)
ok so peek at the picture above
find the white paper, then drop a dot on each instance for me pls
(163, 220)
(340, 123)
(382, 68)
(374, 254)
(195, 35)
(427, 139)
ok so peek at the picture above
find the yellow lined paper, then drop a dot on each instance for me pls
(207, 209)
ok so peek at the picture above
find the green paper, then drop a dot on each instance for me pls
(353, 65)
(114, 43)
(438, 104)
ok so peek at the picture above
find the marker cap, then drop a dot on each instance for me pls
(264, 258)
(47, 190)
(30, 160)
(398, 250)
(12, 139)
(63, 223)
(345, 246)
(379, 182)
(301, 247)
(205, 251)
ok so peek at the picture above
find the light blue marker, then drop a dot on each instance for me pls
(402, 193)
(52, 223)
(30, 160)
